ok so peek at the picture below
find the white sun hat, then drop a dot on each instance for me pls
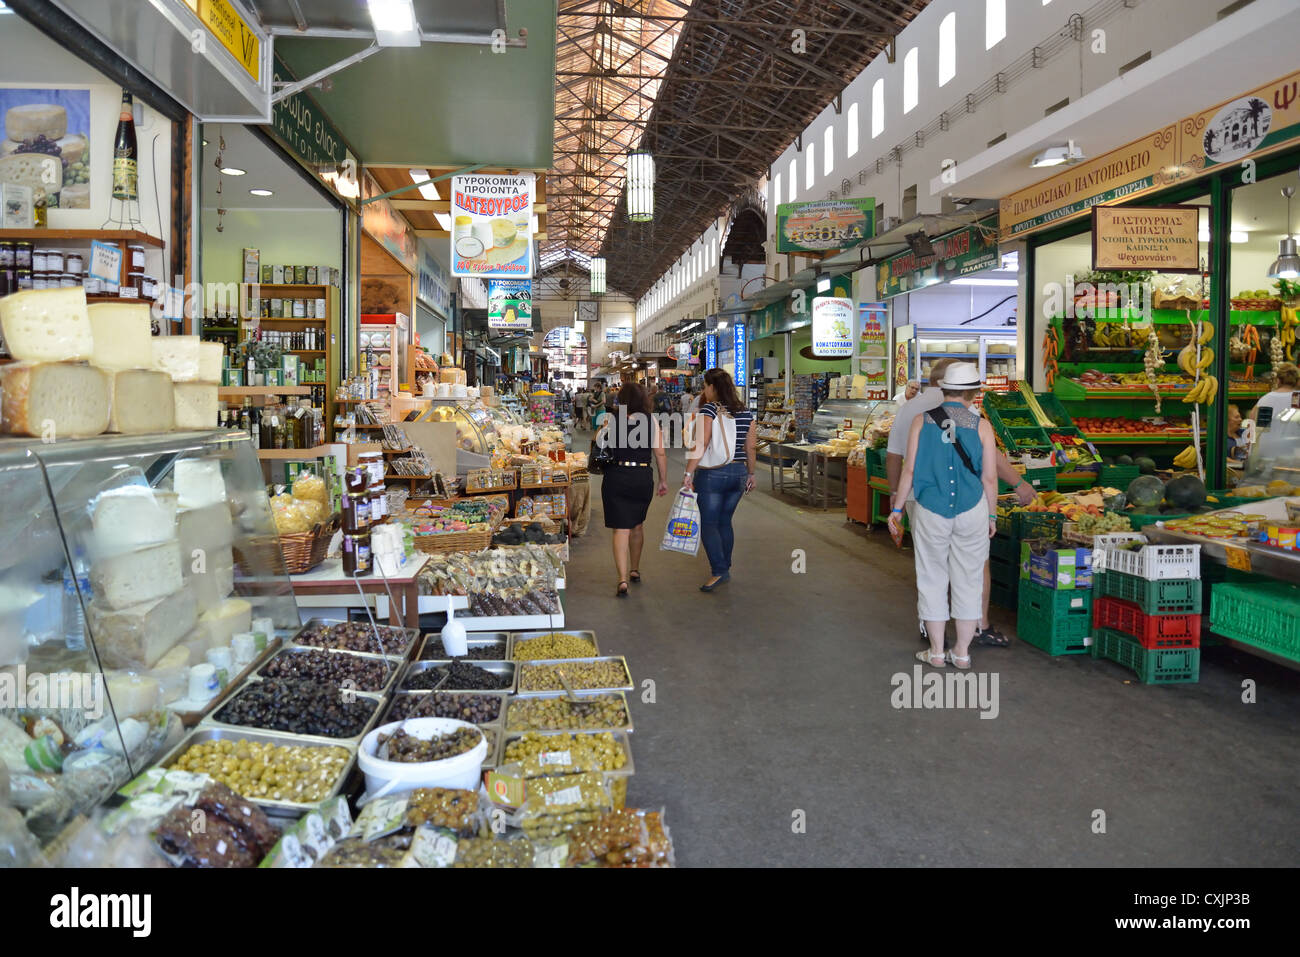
(961, 375)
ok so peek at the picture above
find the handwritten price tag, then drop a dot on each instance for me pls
(106, 262)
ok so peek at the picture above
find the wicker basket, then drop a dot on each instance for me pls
(454, 541)
(302, 551)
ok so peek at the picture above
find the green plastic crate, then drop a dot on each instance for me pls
(1052, 623)
(1157, 666)
(1263, 614)
(1050, 404)
(1004, 547)
(1118, 476)
(1045, 525)
(1004, 571)
(1004, 596)
(876, 463)
(1171, 596)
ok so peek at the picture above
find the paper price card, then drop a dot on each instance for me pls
(555, 757)
(568, 796)
(106, 262)
(380, 817)
(551, 853)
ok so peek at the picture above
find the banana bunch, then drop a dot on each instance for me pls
(1206, 333)
(1186, 459)
(1187, 361)
(1286, 330)
(1205, 391)
(1101, 336)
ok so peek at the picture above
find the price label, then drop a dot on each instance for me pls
(314, 837)
(555, 757)
(568, 796)
(1238, 558)
(106, 263)
(433, 847)
(553, 855)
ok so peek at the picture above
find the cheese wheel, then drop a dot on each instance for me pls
(56, 400)
(76, 196)
(123, 335)
(210, 357)
(8, 146)
(137, 636)
(72, 148)
(130, 517)
(131, 578)
(42, 172)
(178, 356)
(141, 401)
(31, 120)
(196, 405)
(47, 325)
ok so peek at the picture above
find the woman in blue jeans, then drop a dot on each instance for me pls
(724, 475)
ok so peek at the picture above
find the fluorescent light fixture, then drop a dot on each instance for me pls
(1238, 236)
(233, 171)
(1204, 234)
(640, 187)
(722, 324)
(1057, 155)
(972, 281)
(444, 220)
(1010, 263)
(823, 283)
(428, 190)
(596, 276)
(394, 22)
(260, 192)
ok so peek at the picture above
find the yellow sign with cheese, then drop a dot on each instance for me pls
(1163, 238)
(231, 30)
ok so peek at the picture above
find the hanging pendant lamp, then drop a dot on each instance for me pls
(1287, 264)
(640, 187)
(597, 275)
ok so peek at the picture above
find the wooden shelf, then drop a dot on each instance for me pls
(291, 287)
(305, 352)
(279, 319)
(85, 235)
(236, 390)
(290, 454)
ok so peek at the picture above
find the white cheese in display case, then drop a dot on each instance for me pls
(131, 517)
(210, 356)
(196, 405)
(209, 527)
(122, 332)
(142, 401)
(178, 356)
(47, 325)
(131, 578)
(214, 584)
(53, 400)
(137, 636)
(221, 623)
(198, 482)
(133, 694)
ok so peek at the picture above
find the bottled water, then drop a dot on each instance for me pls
(74, 619)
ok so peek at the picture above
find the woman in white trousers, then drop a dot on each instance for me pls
(951, 466)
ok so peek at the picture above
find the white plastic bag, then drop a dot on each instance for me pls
(683, 531)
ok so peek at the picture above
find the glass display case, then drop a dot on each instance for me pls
(835, 415)
(476, 424)
(124, 561)
(1275, 454)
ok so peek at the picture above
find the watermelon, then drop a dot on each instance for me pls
(1145, 491)
(1186, 491)
(1123, 460)
(1145, 465)
(1115, 502)
(1107, 460)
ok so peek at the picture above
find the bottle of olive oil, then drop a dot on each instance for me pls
(125, 166)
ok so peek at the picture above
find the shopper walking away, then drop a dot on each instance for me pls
(720, 469)
(951, 463)
(629, 484)
(595, 402)
(598, 421)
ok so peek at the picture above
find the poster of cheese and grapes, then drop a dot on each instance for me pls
(46, 144)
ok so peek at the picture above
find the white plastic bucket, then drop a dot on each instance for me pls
(398, 777)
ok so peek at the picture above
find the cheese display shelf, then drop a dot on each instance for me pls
(117, 592)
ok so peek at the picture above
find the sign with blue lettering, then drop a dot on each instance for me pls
(711, 351)
(742, 356)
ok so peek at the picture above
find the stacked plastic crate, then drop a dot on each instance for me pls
(1147, 609)
(1004, 551)
(1054, 611)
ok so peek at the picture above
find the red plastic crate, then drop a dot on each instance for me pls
(1151, 631)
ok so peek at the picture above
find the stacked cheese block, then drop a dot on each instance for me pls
(44, 174)
(134, 382)
(161, 577)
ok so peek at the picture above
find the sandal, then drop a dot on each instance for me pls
(958, 662)
(634, 577)
(622, 590)
(991, 638)
(929, 656)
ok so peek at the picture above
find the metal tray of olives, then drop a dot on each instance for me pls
(354, 741)
(504, 668)
(387, 632)
(519, 636)
(523, 666)
(232, 732)
(620, 738)
(485, 639)
(394, 664)
(499, 723)
(498, 735)
(580, 695)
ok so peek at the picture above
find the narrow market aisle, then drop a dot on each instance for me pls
(772, 704)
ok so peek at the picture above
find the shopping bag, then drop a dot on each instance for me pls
(683, 531)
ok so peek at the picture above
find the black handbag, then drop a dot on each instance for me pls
(599, 458)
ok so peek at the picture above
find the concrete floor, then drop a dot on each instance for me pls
(772, 705)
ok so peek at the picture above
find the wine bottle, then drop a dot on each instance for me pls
(125, 168)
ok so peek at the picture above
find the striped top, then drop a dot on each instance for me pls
(744, 419)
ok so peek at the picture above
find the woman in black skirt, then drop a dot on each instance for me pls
(629, 484)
